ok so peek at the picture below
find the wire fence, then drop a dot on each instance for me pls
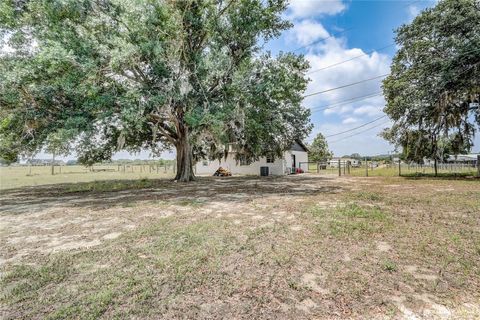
(461, 169)
(24, 175)
(340, 167)
(373, 168)
(99, 168)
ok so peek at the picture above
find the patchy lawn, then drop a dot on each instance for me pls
(293, 247)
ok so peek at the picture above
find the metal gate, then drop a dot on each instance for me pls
(339, 167)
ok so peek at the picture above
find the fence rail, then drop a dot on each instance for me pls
(332, 167)
(99, 168)
(372, 168)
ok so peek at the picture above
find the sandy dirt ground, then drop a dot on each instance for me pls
(323, 272)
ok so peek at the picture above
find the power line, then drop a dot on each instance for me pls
(347, 85)
(322, 39)
(365, 124)
(359, 98)
(347, 101)
(348, 60)
(350, 130)
(357, 133)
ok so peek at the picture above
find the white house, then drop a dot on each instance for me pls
(333, 163)
(464, 158)
(291, 159)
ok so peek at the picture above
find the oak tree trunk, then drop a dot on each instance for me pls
(184, 158)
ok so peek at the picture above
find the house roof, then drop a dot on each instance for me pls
(299, 143)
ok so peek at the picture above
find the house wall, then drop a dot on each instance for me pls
(276, 168)
(301, 159)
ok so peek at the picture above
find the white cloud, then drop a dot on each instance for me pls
(349, 120)
(338, 110)
(333, 51)
(347, 115)
(311, 8)
(413, 11)
(369, 110)
(306, 31)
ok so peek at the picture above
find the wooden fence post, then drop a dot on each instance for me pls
(478, 165)
(366, 167)
(339, 168)
(399, 168)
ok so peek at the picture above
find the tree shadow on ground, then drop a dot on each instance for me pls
(100, 195)
(441, 176)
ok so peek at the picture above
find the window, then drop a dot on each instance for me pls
(270, 158)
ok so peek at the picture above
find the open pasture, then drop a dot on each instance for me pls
(21, 176)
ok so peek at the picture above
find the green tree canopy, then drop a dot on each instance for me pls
(149, 74)
(435, 78)
(318, 150)
(58, 143)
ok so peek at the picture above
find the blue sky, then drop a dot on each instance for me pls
(354, 28)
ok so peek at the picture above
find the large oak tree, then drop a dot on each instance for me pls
(435, 82)
(148, 74)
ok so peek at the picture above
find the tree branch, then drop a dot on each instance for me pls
(166, 130)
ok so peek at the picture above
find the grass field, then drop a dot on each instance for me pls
(305, 246)
(15, 177)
